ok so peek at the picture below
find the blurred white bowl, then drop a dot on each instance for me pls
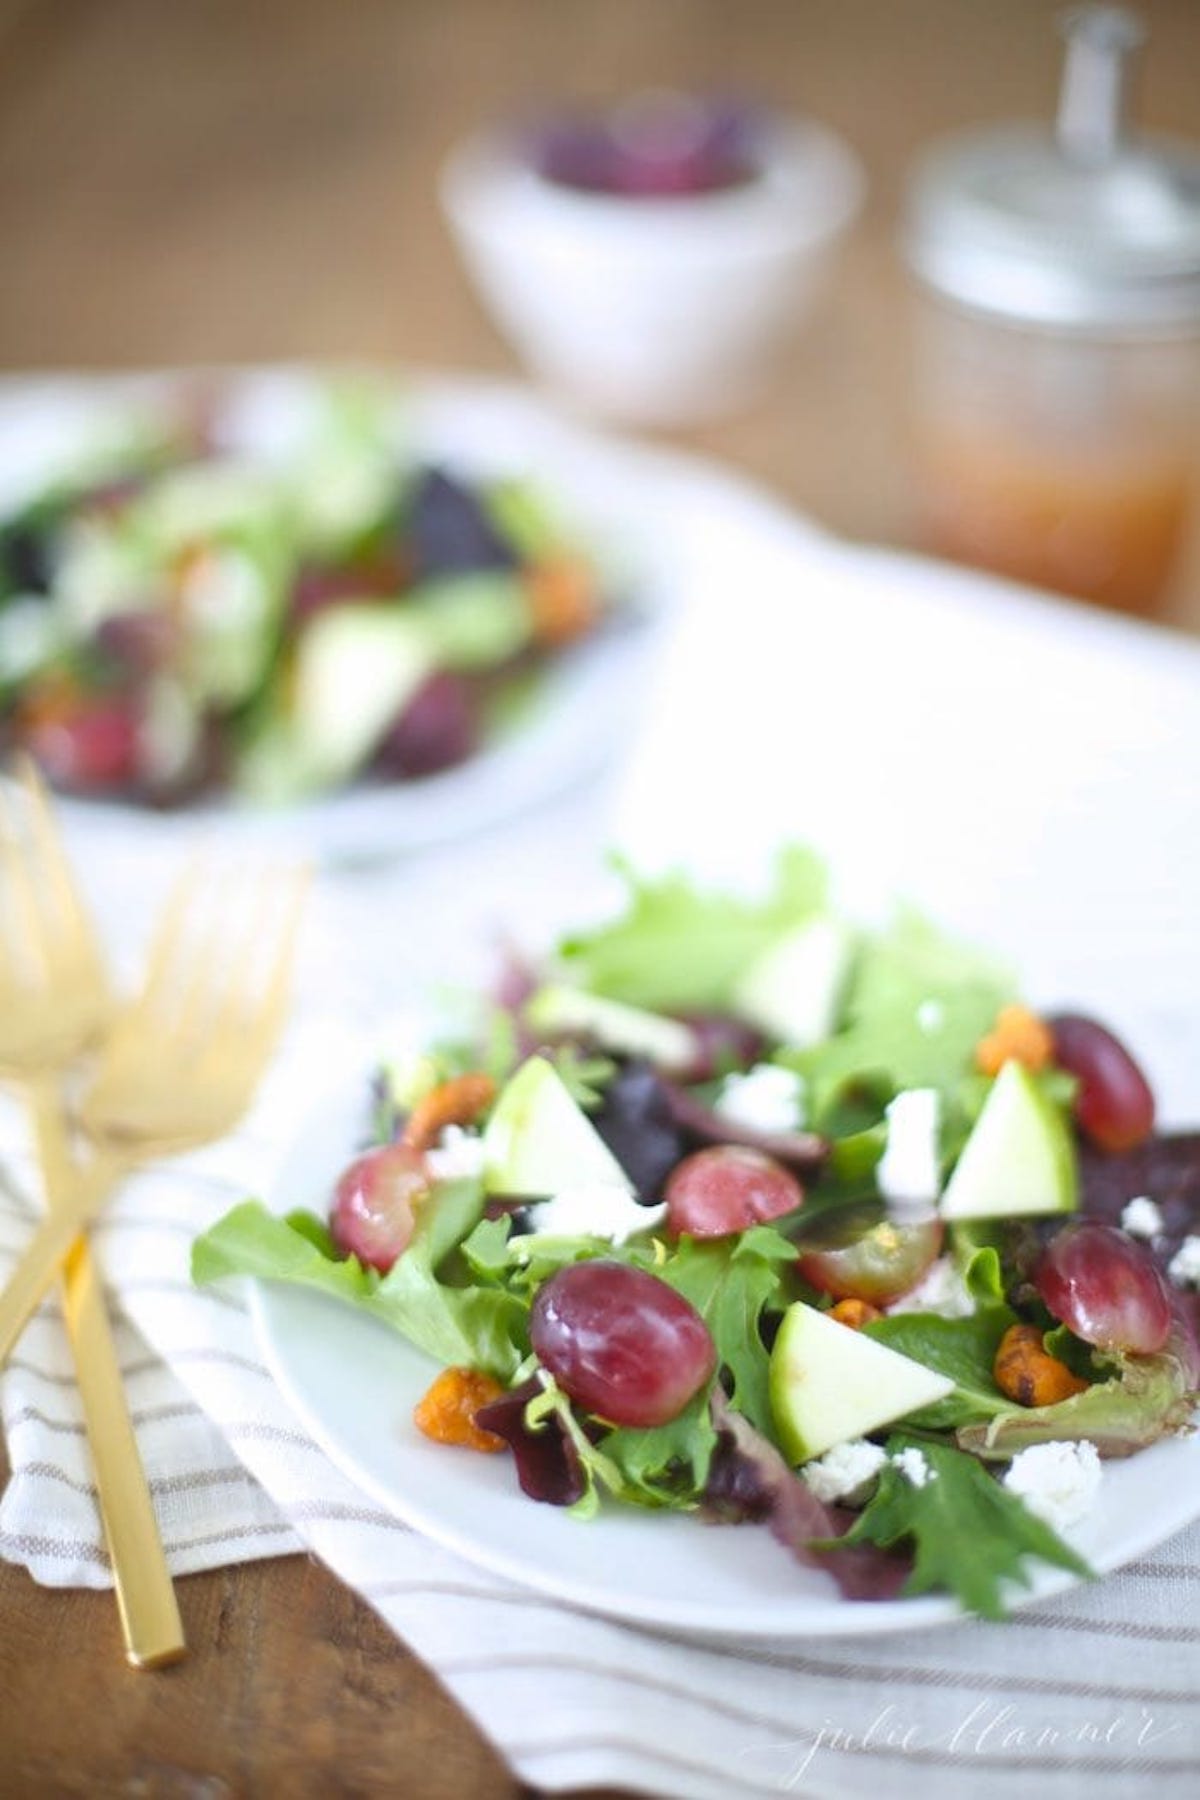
(652, 310)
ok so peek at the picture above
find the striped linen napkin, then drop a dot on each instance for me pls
(1102, 1686)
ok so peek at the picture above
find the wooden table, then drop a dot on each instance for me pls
(232, 180)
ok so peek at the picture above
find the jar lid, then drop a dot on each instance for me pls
(1076, 229)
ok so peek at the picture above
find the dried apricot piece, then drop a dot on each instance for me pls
(446, 1411)
(855, 1313)
(1025, 1370)
(562, 599)
(458, 1101)
(1018, 1035)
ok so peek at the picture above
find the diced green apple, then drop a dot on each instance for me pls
(791, 990)
(356, 669)
(629, 1030)
(1019, 1159)
(537, 1141)
(830, 1383)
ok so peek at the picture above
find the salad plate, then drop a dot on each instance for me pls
(353, 1383)
(610, 497)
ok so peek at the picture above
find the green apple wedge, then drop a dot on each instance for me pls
(829, 1383)
(1019, 1158)
(792, 990)
(630, 1030)
(537, 1141)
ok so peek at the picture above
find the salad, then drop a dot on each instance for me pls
(179, 617)
(735, 1208)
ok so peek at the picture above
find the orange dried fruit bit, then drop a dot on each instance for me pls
(1025, 1370)
(855, 1313)
(446, 1411)
(1017, 1036)
(562, 599)
(458, 1101)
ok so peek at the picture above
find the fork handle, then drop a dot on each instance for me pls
(150, 1622)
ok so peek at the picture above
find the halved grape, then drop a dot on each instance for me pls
(727, 1188)
(438, 728)
(859, 1253)
(92, 745)
(621, 1342)
(1114, 1104)
(373, 1216)
(1105, 1288)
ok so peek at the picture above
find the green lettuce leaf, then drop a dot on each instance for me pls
(1149, 1397)
(963, 1350)
(479, 1325)
(666, 1465)
(968, 1534)
(731, 1282)
(917, 1005)
(678, 949)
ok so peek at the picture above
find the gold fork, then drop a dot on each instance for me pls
(54, 1001)
(180, 1066)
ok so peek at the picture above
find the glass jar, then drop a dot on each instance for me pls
(1057, 368)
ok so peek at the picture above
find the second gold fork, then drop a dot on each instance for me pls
(55, 1002)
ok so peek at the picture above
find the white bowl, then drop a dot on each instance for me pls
(655, 311)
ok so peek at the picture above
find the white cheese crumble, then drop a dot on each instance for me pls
(1184, 1266)
(846, 1473)
(1057, 1481)
(914, 1466)
(941, 1290)
(594, 1209)
(457, 1155)
(931, 1016)
(766, 1098)
(1142, 1218)
(909, 1169)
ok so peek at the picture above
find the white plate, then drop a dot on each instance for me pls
(587, 703)
(353, 1383)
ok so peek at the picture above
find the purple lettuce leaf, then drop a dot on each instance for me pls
(548, 1464)
(749, 1482)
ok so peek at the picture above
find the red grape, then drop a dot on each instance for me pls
(1114, 1105)
(857, 1254)
(373, 1208)
(621, 1342)
(1105, 1287)
(89, 746)
(727, 1188)
(437, 729)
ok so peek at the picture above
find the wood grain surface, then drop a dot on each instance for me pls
(232, 180)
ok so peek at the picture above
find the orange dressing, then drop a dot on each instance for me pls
(1099, 522)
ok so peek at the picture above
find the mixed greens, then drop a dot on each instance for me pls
(735, 1208)
(178, 616)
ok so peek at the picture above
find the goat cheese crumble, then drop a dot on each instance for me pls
(910, 1167)
(457, 1155)
(1184, 1266)
(1142, 1218)
(913, 1465)
(846, 1473)
(931, 1016)
(1057, 1481)
(594, 1209)
(766, 1098)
